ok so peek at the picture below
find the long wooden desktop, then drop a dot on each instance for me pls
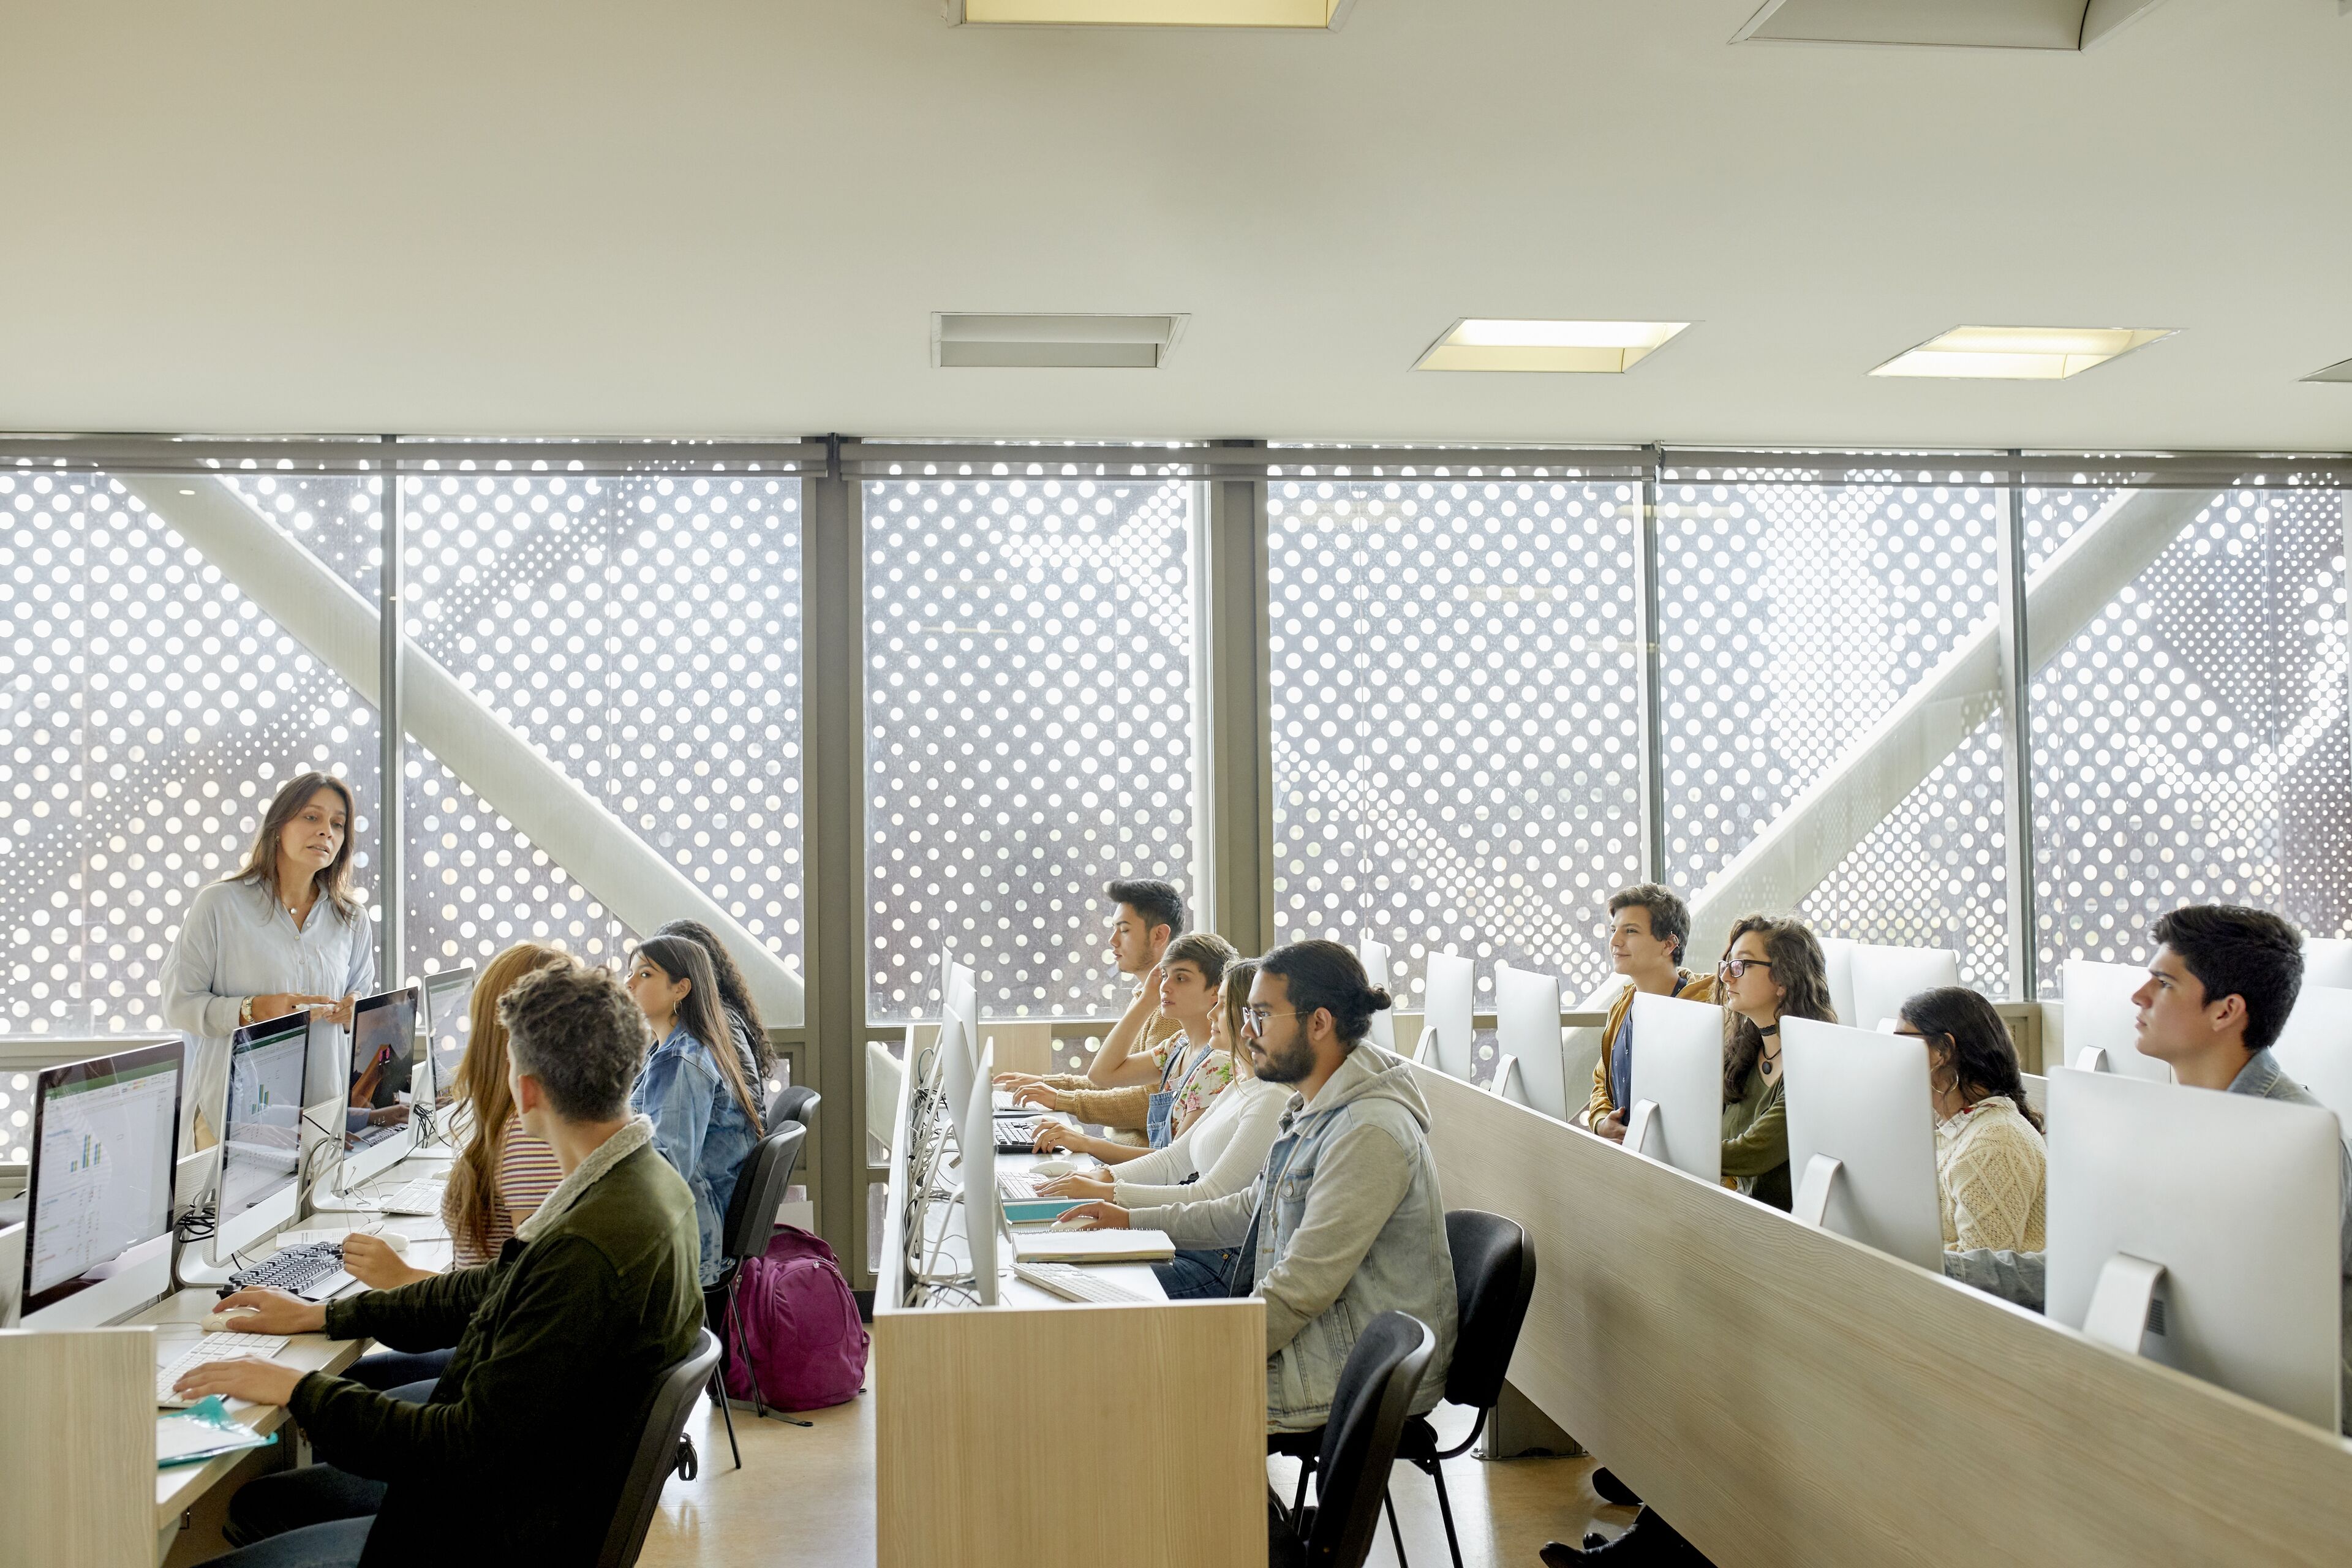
(1784, 1395)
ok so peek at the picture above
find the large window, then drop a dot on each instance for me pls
(1456, 669)
(642, 635)
(2190, 740)
(1832, 732)
(151, 707)
(1029, 730)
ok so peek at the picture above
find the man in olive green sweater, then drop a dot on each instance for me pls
(520, 1452)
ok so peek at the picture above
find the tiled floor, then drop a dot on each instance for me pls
(805, 1497)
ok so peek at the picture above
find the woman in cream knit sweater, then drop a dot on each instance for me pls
(1990, 1159)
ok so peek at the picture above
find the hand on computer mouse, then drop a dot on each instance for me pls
(375, 1263)
(244, 1377)
(274, 1312)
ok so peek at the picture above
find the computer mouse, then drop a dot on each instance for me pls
(1049, 1169)
(228, 1322)
(1073, 1222)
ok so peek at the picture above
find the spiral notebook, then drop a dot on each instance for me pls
(1093, 1247)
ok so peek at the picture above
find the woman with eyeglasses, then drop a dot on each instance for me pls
(1772, 969)
(1990, 1163)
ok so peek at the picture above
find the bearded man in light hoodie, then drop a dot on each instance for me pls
(1346, 1221)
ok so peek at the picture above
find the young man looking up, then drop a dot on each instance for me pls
(2221, 986)
(1648, 930)
(1346, 1221)
(1135, 1056)
(521, 1449)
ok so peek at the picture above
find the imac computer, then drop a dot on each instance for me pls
(1862, 1137)
(886, 1085)
(2099, 1015)
(1837, 962)
(1447, 1028)
(2315, 1049)
(1527, 1040)
(2200, 1229)
(958, 1076)
(261, 1150)
(1886, 977)
(982, 1212)
(1677, 1112)
(379, 1127)
(449, 1024)
(1374, 956)
(97, 1231)
(2327, 960)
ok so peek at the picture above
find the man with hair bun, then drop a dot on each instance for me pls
(1346, 1221)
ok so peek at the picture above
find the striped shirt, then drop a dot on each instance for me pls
(526, 1173)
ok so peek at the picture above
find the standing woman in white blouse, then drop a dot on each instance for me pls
(284, 932)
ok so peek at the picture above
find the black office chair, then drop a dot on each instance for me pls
(793, 1102)
(1355, 1450)
(661, 1449)
(1493, 1280)
(750, 1225)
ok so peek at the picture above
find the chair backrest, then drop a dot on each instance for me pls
(675, 1392)
(1360, 1436)
(760, 1187)
(793, 1102)
(1493, 1280)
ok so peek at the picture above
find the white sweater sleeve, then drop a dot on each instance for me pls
(1235, 1168)
(1155, 1171)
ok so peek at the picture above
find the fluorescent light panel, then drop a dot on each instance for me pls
(972, 340)
(1303, 13)
(2019, 353)
(1605, 348)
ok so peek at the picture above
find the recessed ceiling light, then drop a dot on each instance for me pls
(2333, 373)
(963, 340)
(1319, 15)
(2019, 353)
(1484, 342)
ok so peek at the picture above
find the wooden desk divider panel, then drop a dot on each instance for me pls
(77, 1448)
(989, 1421)
(1786, 1396)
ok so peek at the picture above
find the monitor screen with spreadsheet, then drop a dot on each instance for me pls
(105, 1136)
(264, 1140)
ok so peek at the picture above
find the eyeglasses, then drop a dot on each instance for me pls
(1733, 968)
(1254, 1019)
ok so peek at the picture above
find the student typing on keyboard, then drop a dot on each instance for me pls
(603, 1276)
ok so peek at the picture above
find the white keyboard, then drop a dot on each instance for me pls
(415, 1197)
(211, 1347)
(1018, 1186)
(1072, 1283)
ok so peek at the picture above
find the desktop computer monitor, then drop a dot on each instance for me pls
(1528, 1042)
(2157, 1247)
(449, 1024)
(982, 1212)
(98, 1241)
(2327, 960)
(1862, 1137)
(962, 1001)
(1447, 1028)
(1886, 977)
(11, 1271)
(1677, 1112)
(262, 1149)
(958, 1073)
(1837, 962)
(379, 1130)
(2099, 1015)
(1374, 956)
(2315, 1049)
(886, 1085)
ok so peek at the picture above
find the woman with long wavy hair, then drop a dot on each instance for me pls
(696, 1086)
(1771, 969)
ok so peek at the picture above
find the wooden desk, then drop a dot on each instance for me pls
(1786, 1396)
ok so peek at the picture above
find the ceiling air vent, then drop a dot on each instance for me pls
(2333, 373)
(1949, 24)
(964, 339)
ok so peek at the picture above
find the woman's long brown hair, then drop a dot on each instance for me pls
(1232, 996)
(699, 1010)
(334, 879)
(481, 1089)
(1803, 977)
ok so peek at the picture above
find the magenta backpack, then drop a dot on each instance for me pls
(801, 1339)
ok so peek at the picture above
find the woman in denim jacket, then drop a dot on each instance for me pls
(696, 1085)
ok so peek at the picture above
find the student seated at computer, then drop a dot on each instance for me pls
(1771, 969)
(1146, 916)
(1220, 1153)
(697, 1084)
(735, 995)
(498, 1179)
(1649, 929)
(1192, 1069)
(1990, 1164)
(2219, 991)
(1346, 1220)
(518, 1451)
(283, 931)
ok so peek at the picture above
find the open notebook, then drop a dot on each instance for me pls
(1093, 1247)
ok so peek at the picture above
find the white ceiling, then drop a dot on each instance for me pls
(728, 218)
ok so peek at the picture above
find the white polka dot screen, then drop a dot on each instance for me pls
(644, 635)
(148, 712)
(1792, 618)
(1456, 671)
(2190, 744)
(1029, 731)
